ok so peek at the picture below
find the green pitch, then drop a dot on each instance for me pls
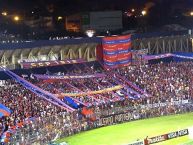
(123, 134)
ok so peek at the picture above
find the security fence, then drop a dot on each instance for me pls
(45, 130)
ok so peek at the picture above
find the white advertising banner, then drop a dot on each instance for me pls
(137, 143)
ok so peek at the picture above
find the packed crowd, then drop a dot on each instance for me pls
(89, 85)
(163, 84)
(164, 81)
(64, 124)
(23, 105)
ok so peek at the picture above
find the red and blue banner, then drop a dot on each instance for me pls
(4, 111)
(99, 52)
(117, 51)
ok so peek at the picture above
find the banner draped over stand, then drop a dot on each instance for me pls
(58, 77)
(118, 87)
(4, 111)
(117, 51)
(154, 57)
(38, 91)
(50, 63)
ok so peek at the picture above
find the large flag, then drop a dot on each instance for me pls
(117, 51)
(4, 111)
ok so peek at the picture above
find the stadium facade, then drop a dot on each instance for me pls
(12, 53)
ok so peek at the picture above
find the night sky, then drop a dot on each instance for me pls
(159, 12)
(70, 6)
(65, 5)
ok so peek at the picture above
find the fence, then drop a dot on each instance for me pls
(44, 130)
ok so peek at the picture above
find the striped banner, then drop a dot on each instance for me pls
(117, 51)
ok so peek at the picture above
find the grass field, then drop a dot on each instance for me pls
(123, 134)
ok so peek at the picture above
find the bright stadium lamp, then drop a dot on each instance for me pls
(144, 12)
(4, 13)
(90, 33)
(60, 18)
(16, 18)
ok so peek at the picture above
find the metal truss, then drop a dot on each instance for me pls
(167, 44)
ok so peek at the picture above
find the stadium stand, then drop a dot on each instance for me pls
(57, 101)
(35, 120)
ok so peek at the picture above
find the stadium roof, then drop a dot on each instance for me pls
(44, 43)
(76, 41)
